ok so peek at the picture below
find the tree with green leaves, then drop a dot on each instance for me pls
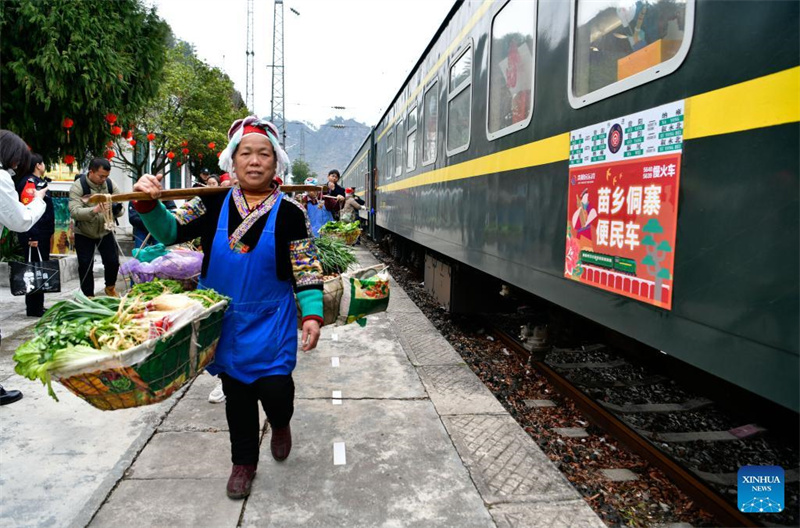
(300, 171)
(192, 112)
(656, 255)
(77, 60)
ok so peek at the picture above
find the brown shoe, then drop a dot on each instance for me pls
(281, 443)
(240, 481)
(111, 291)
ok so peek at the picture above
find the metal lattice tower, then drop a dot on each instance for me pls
(250, 76)
(278, 116)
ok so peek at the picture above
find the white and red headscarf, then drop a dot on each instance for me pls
(253, 125)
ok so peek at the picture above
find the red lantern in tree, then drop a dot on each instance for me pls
(171, 155)
(184, 143)
(151, 137)
(200, 155)
(179, 164)
(109, 154)
(129, 134)
(212, 145)
(111, 118)
(185, 151)
(219, 154)
(69, 159)
(116, 130)
(132, 142)
(67, 123)
(110, 144)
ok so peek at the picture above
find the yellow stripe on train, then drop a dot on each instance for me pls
(763, 102)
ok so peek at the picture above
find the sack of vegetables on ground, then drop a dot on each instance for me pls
(125, 352)
(350, 293)
(347, 232)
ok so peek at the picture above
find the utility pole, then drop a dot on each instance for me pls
(277, 111)
(302, 141)
(250, 77)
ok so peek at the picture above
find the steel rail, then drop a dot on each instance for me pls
(690, 484)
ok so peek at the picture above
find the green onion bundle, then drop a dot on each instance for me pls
(334, 254)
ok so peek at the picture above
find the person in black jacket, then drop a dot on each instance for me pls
(334, 189)
(36, 242)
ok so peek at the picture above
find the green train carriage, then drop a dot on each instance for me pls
(479, 174)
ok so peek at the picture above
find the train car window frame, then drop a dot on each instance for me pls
(434, 85)
(453, 92)
(399, 138)
(525, 122)
(652, 73)
(389, 154)
(411, 160)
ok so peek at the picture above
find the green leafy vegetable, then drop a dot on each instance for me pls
(340, 228)
(334, 254)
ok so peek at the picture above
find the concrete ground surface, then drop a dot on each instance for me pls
(391, 429)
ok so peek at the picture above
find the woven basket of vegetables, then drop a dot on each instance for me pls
(347, 232)
(129, 352)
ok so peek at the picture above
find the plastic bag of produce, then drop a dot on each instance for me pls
(364, 291)
(178, 265)
(138, 271)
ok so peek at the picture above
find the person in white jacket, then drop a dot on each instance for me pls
(15, 156)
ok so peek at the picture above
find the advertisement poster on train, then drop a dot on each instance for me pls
(624, 176)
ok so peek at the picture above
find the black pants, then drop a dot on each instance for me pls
(276, 394)
(34, 302)
(84, 247)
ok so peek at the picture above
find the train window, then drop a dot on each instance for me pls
(511, 68)
(411, 139)
(617, 45)
(430, 124)
(389, 155)
(398, 148)
(458, 103)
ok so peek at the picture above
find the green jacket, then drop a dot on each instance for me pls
(87, 222)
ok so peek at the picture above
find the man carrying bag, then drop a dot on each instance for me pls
(92, 230)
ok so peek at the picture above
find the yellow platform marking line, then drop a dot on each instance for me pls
(446, 55)
(766, 101)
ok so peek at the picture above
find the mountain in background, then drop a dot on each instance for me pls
(331, 146)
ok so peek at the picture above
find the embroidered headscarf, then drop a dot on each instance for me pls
(253, 125)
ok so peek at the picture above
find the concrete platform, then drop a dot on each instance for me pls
(424, 442)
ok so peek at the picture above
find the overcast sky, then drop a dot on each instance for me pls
(351, 53)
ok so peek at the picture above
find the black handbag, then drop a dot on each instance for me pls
(35, 277)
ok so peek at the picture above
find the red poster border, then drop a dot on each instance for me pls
(664, 304)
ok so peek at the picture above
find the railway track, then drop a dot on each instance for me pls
(638, 441)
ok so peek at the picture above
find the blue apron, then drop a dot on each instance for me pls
(318, 217)
(259, 331)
